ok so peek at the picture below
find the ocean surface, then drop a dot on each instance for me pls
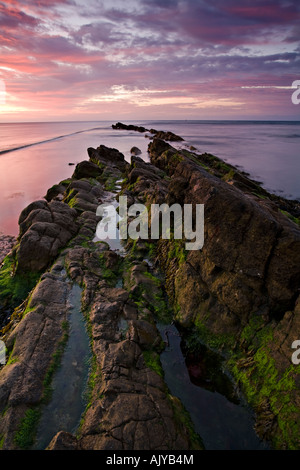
(34, 156)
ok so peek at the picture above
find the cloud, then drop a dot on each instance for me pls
(160, 53)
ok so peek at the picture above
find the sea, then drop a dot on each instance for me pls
(36, 155)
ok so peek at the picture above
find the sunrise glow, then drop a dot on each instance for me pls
(179, 59)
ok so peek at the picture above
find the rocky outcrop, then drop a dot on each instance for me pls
(130, 406)
(146, 182)
(107, 158)
(45, 228)
(165, 135)
(32, 342)
(129, 127)
(238, 294)
(249, 264)
(168, 136)
(87, 169)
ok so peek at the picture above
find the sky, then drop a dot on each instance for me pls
(148, 59)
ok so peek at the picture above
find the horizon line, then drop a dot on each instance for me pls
(153, 120)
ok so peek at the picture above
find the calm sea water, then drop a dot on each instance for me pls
(34, 156)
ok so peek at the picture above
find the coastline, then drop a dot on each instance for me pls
(242, 285)
(267, 152)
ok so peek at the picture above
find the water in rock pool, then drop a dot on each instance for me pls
(223, 420)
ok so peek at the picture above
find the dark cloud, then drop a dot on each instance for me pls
(13, 18)
(261, 11)
(161, 3)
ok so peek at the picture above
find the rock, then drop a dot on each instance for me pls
(63, 441)
(83, 195)
(246, 274)
(108, 157)
(130, 127)
(157, 149)
(168, 136)
(44, 229)
(54, 192)
(110, 154)
(36, 205)
(146, 180)
(176, 190)
(145, 334)
(255, 235)
(131, 394)
(135, 151)
(86, 169)
(129, 397)
(31, 343)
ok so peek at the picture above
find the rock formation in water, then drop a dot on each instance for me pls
(165, 135)
(239, 294)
